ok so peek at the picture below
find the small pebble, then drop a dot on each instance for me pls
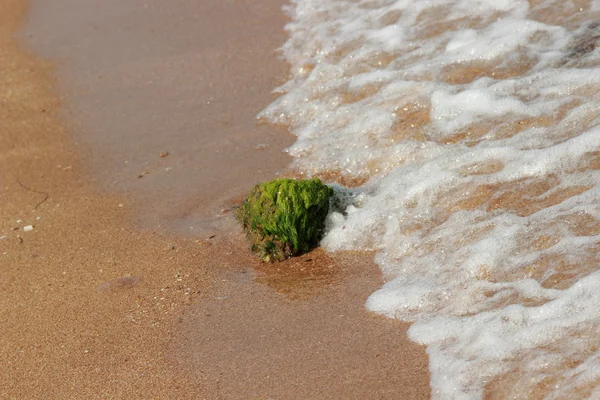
(27, 228)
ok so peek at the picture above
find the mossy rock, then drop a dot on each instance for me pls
(285, 217)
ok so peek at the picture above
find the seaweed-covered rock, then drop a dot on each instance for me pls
(285, 217)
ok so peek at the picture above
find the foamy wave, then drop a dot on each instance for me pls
(472, 129)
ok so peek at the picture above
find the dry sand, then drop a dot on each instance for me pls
(92, 306)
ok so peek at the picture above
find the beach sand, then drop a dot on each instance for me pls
(111, 295)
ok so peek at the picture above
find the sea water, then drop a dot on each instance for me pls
(468, 133)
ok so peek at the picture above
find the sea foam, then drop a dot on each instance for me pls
(470, 132)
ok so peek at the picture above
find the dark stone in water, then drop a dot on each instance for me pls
(583, 44)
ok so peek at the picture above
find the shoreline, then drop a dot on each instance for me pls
(93, 306)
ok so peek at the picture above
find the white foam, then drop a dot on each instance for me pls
(455, 111)
(474, 126)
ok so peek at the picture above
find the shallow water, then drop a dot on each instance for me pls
(161, 95)
(470, 133)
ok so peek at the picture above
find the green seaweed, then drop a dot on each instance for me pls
(285, 217)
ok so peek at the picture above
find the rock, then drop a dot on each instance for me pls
(285, 217)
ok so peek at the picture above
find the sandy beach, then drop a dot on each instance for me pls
(132, 280)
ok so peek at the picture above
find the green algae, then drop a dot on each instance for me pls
(285, 217)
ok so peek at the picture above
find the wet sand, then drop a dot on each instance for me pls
(99, 300)
(181, 78)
